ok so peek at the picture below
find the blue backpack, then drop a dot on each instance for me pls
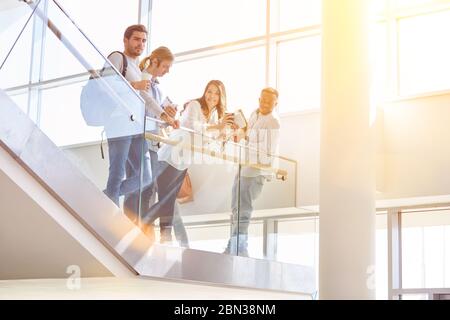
(96, 103)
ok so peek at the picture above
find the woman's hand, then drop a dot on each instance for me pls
(171, 110)
(170, 121)
(227, 120)
(141, 85)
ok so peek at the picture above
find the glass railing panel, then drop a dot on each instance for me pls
(94, 116)
(267, 192)
(219, 217)
(202, 220)
(298, 241)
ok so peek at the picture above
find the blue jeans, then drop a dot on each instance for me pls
(119, 150)
(246, 190)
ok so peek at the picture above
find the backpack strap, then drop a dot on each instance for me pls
(124, 62)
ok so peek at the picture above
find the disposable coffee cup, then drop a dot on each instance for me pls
(146, 76)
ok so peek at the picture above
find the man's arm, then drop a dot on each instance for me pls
(152, 108)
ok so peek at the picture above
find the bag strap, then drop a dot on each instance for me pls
(124, 62)
(124, 72)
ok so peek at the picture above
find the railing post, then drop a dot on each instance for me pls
(270, 237)
(394, 232)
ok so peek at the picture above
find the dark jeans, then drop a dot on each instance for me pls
(169, 182)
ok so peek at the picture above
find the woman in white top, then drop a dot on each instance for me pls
(203, 114)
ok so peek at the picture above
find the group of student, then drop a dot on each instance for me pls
(163, 172)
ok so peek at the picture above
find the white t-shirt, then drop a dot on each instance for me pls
(263, 139)
(152, 108)
(180, 156)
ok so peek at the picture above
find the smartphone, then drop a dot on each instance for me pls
(168, 102)
(230, 114)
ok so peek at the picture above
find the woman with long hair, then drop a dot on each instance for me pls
(203, 114)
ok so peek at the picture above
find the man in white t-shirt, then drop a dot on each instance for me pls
(261, 138)
(124, 144)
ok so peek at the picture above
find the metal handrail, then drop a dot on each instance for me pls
(280, 173)
(238, 145)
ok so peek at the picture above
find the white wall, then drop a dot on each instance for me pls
(300, 140)
(412, 149)
(417, 147)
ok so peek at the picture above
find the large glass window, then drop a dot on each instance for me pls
(61, 118)
(295, 14)
(242, 72)
(185, 25)
(424, 52)
(381, 254)
(413, 61)
(426, 249)
(105, 21)
(12, 20)
(299, 74)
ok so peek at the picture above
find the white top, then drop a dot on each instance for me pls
(152, 108)
(263, 139)
(180, 156)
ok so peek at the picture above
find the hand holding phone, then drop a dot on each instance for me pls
(169, 107)
(229, 118)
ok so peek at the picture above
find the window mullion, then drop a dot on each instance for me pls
(145, 18)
